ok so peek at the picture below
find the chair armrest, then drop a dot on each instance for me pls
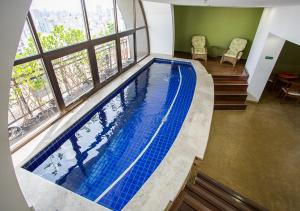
(225, 50)
(237, 56)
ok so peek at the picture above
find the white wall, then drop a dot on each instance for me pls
(12, 17)
(272, 48)
(160, 19)
(276, 26)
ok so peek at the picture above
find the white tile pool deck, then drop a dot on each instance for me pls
(161, 187)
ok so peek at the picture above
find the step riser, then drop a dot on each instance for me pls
(230, 97)
(230, 78)
(230, 107)
(231, 87)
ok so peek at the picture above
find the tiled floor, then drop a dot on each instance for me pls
(257, 152)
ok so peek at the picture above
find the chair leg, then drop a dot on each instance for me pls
(222, 59)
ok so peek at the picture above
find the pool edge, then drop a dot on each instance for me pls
(23, 155)
(170, 176)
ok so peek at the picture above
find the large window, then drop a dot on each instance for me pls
(68, 50)
(127, 50)
(100, 15)
(73, 75)
(141, 44)
(106, 55)
(125, 15)
(31, 101)
(27, 44)
(59, 22)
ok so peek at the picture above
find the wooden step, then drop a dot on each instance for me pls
(220, 193)
(199, 192)
(232, 95)
(186, 202)
(226, 193)
(208, 194)
(230, 105)
(231, 85)
(232, 78)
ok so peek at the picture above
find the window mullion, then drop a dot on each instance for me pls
(146, 24)
(85, 19)
(118, 47)
(93, 66)
(34, 32)
(54, 83)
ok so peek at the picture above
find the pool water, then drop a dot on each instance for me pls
(109, 153)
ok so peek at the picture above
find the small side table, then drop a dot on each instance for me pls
(288, 75)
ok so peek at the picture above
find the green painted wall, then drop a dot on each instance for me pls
(219, 25)
(289, 59)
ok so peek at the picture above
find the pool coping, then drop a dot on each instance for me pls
(40, 193)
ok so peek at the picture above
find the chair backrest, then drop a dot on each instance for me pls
(238, 44)
(198, 41)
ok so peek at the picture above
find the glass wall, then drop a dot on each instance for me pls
(127, 50)
(106, 55)
(59, 23)
(101, 19)
(73, 74)
(31, 100)
(141, 44)
(68, 50)
(125, 15)
(27, 44)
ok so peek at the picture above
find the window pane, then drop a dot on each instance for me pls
(127, 50)
(141, 43)
(106, 60)
(59, 22)
(31, 102)
(26, 45)
(73, 75)
(139, 15)
(125, 15)
(101, 17)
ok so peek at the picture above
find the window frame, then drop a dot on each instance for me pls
(89, 45)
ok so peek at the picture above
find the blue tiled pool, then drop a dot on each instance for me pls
(109, 154)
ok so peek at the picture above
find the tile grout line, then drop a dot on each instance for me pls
(147, 146)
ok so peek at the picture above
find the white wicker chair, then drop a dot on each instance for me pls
(235, 51)
(199, 50)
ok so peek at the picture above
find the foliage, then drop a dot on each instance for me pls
(29, 81)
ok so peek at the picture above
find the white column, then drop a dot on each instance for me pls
(12, 17)
(265, 65)
(160, 19)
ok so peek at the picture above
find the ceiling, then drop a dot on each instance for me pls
(232, 3)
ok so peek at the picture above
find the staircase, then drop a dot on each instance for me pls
(207, 194)
(230, 92)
